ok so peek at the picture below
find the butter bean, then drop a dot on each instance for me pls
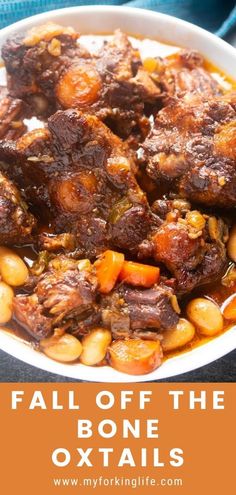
(6, 301)
(95, 346)
(65, 348)
(178, 336)
(13, 270)
(206, 316)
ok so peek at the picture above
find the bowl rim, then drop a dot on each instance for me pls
(23, 23)
(188, 360)
(185, 362)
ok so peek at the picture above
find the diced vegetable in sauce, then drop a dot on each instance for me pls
(135, 357)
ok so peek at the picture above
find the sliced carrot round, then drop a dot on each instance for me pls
(108, 268)
(138, 274)
(79, 86)
(135, 356)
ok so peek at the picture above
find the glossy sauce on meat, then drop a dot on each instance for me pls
(148, 49)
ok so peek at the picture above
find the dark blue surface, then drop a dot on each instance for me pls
(12, 370)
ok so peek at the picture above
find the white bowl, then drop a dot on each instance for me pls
(99, 19)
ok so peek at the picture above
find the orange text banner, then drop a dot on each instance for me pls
(117, 438)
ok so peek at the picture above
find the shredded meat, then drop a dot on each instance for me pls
(128, 310)
(29, 313)
(112, 84)
(33, 68)
(81, 176)
(12, 112)
(64, 297)
(192, 149)
(190, 245)
(185, 73)
(16, 223)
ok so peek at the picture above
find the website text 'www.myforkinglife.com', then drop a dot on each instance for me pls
(140, 481)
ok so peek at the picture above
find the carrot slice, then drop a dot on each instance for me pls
(135, 356)
(230, 309)
(139, 274)
(78, 86)
(108, 268)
